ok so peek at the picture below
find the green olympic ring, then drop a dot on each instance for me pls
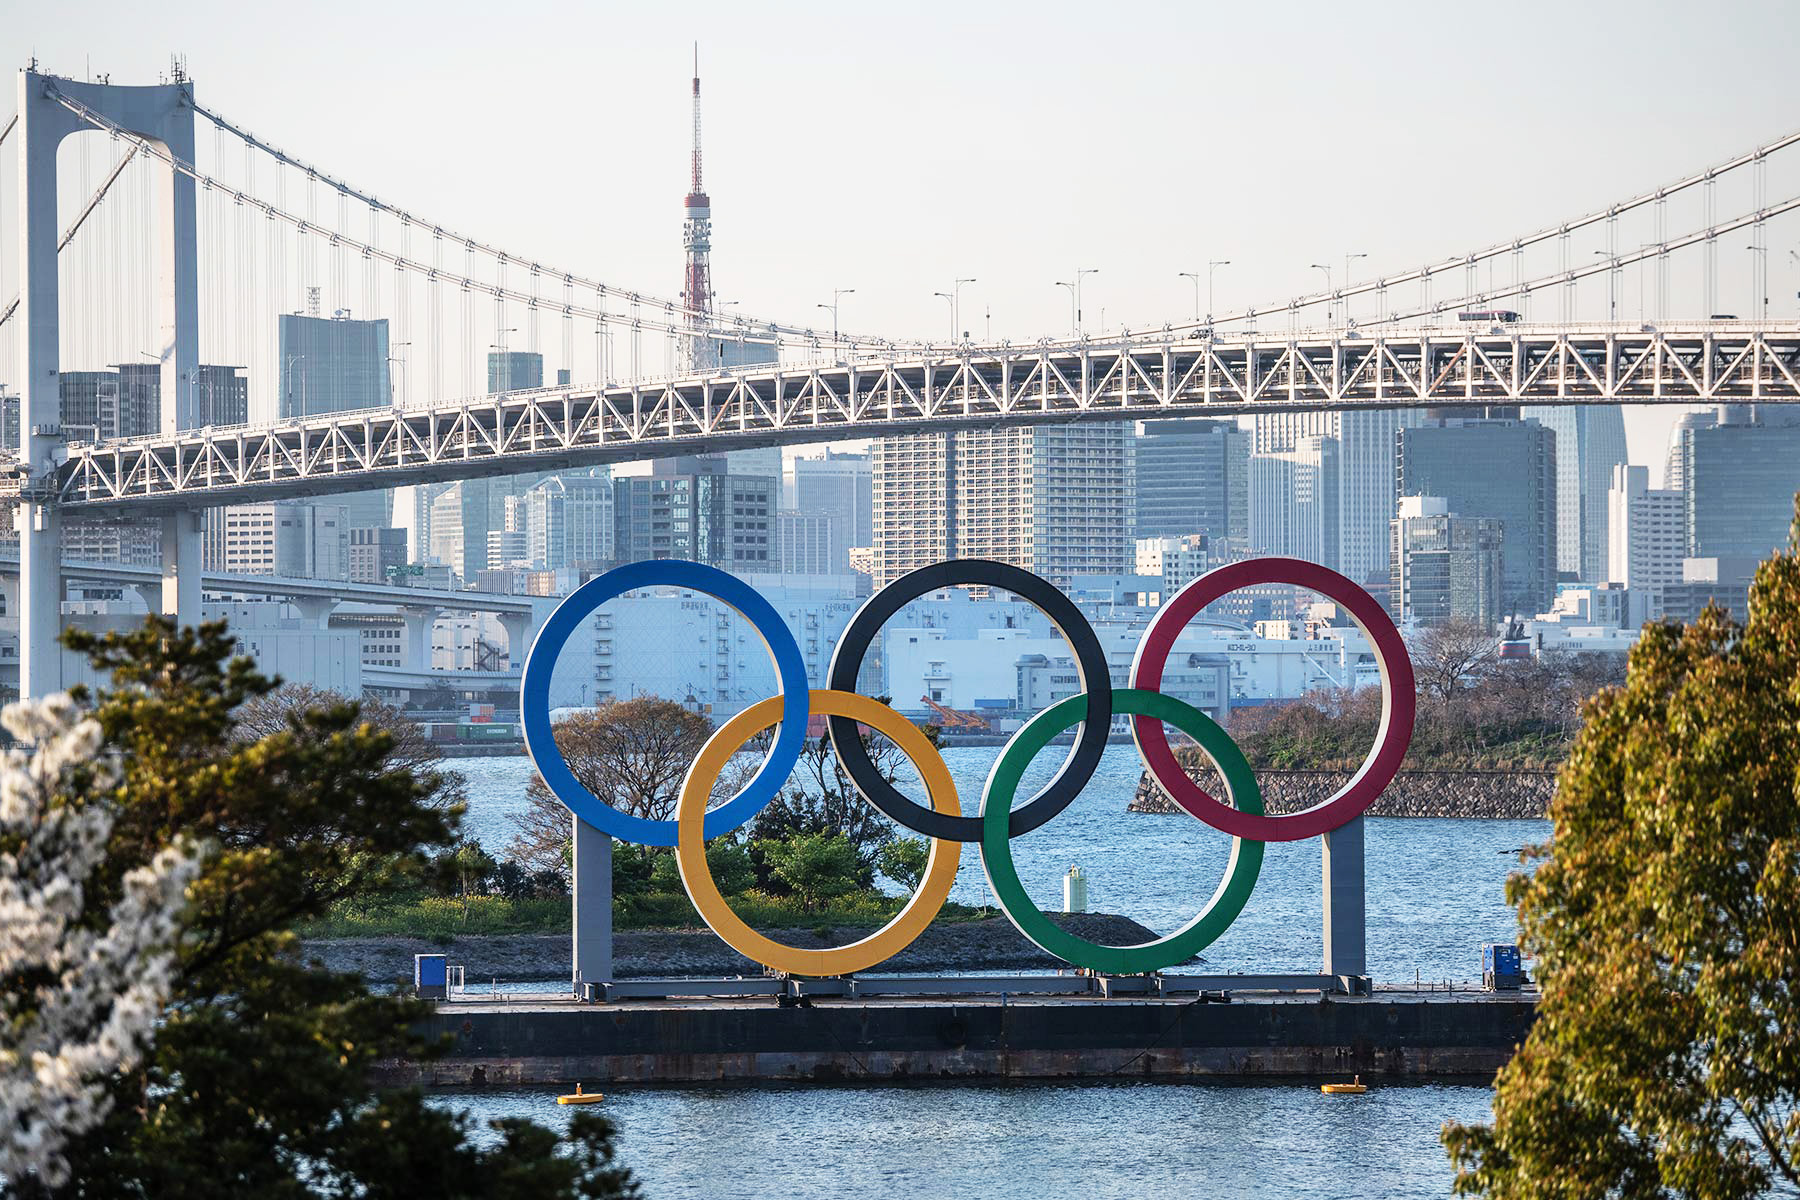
(996, 848)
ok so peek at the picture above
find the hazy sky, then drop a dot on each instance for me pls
(894, 148)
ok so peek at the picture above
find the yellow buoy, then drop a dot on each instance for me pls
(1354, 1088)
(581, 1097)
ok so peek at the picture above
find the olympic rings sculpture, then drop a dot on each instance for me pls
(1241, 814)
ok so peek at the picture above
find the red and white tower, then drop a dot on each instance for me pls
(696, 289)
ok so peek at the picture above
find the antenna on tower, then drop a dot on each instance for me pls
(696, 186)
(696, 291)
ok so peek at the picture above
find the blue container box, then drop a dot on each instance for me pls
(431, 976)
(1500, 966)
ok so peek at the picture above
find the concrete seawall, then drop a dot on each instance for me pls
(1484, 793)
(1392, 1034)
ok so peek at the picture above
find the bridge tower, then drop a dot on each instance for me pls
(163, 113)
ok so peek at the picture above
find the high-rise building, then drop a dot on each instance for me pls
(1680, 438)
(811, 543)
(375, 553)
(700, 514)
(1193, 476)
(1177, 561)
(1499, 467)
(1365, 476)
(913, 483)
(102, 405)
(444, 529)
(136, 543)
(1741, 476)
(1590, 442)
(1646, 535)
(1295, 496)
(222, 396)
(1057, 501)
(305, 540)
(1446, 567)
(838, 485)
(514, 370)
(331, 365)
(506, 549)
(569, 521)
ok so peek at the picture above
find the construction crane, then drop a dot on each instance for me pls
(950, 718)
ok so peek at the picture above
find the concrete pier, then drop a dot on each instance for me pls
(1413, 1034)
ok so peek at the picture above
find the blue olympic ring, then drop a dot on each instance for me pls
(790, 667)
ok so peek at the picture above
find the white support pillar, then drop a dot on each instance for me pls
(315, 609)
(181, 567)
(517, 627)
(591, 901)
(416, 643)
(1346, 950)
(43, 123)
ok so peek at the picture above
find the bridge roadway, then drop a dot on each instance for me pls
(338, 590)
(965, 387)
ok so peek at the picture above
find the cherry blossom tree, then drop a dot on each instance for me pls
(81, 987)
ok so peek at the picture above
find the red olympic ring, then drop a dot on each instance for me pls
(1398, 701)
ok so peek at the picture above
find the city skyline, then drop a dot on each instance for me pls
(775, 256)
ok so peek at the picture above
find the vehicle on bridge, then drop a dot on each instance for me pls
(1503, 316)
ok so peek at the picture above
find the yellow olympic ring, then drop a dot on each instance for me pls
(690, 848)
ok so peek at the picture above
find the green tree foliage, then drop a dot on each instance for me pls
(827, 803)
(1665, 1058)
(816, 867)
(259, 1081)
(903, 860)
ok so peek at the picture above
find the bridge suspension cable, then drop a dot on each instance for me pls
(310, 225)
(1707, 178)
(502, 256)
(1623, 259)
(68, 235)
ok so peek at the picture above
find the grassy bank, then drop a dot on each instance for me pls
(442, 917)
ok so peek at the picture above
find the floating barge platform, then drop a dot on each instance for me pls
(828, 1032)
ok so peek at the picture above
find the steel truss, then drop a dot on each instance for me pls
(559, 428)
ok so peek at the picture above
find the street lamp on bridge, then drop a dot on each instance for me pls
(956, 287)
(1327, 270)
(1075, 297)
(1195, 276)
(1348, 259)
(1212, 266)
(1612, 285)
(1760, 277)
(836, 295)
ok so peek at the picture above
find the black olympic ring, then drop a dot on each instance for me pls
(1090, 665)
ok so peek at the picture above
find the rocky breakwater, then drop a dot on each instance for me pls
(1473, 793)
(982, 945)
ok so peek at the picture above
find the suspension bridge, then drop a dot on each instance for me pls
(218, 231)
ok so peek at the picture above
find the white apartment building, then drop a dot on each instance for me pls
(307, 540)
(1646, 531)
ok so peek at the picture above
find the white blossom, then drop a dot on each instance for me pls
(103, 988)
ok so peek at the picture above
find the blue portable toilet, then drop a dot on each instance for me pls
(431, 977)
(1500, 970)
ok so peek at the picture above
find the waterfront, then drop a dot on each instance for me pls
(1435, 885)
(1098, 1141)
